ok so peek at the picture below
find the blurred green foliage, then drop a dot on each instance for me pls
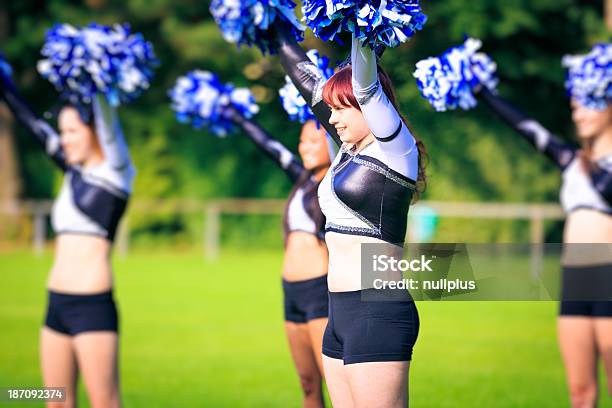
(473, 156)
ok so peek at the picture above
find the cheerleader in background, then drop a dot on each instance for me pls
(304, 275)
(80, 333)
(584, 326)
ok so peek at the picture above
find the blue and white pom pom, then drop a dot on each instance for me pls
(201, 99)
(250, 22)
(294, 104)
(5, 67)
(376, 23)
(450, 81)
(112, 61)
(589, 77)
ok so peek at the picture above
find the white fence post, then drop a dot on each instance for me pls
(537, 242)
(40, 229)
(212, 225)
(123, 237)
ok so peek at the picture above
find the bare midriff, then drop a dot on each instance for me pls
(585, 226)
(344, 273)
(82, 265)
(305, 257)
(588, 226)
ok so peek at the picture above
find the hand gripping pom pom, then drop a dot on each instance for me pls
(294, 104)
(251, 22)
(376, 23)
(201, 99)
(112, 61)
(589, 77)
(450, 81)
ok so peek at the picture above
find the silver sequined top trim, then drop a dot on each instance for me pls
(353, 230)
(346, 207)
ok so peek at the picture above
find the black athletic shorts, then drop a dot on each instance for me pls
(73, 314)
(305, 300)
(360, 330)
(587, 291)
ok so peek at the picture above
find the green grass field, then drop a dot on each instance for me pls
(210, 334)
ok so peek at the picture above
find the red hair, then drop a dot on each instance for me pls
(339, 90)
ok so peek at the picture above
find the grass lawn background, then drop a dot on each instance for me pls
(210, 333)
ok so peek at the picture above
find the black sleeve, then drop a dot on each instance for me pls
(271, 147)
(538, 136)
(307, 78)
(601, 176)
(46, 136)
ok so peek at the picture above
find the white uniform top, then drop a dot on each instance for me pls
(298, 218)
(369, 193)
(579, 189)
(92, 200)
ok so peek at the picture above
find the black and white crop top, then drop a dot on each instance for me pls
(369, 193)
(302, 212)
(91, 200)
(580, 189)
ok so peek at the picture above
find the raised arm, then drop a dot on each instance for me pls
(307, 79)
(45, 135)
(110, 136)
(382, 117)
(271, 147)
(538, 136)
